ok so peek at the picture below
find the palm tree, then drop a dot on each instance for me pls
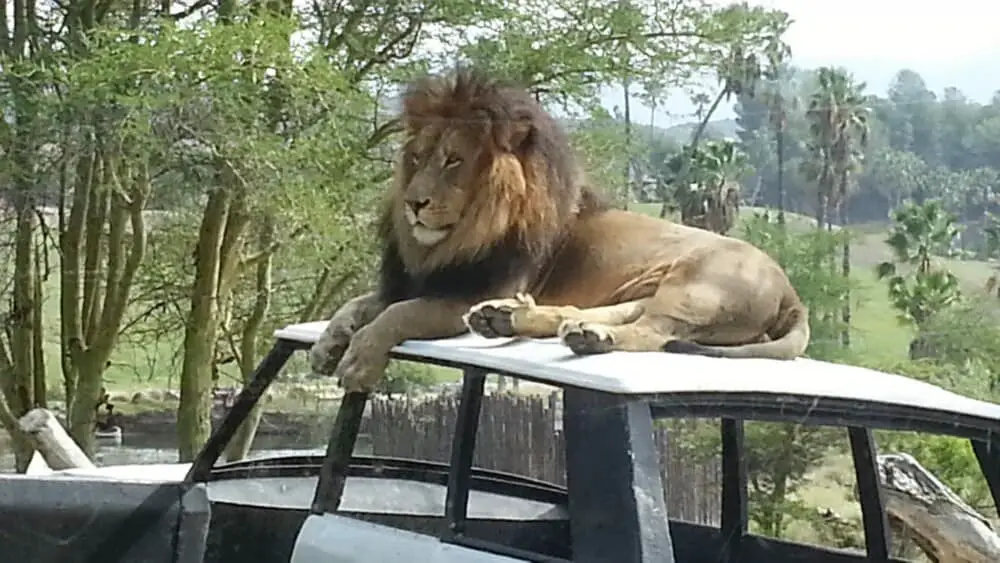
(779, 102)
(739, 74)
(710, 197)
(839, 127)
(838, 124)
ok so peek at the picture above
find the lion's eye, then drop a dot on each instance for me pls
(452, 161)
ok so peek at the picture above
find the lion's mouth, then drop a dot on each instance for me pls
(427, 236)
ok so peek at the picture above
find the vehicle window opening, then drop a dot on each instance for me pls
(873, 515)
(264, 375)
(528, 521)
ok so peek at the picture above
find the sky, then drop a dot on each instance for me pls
(949, 44)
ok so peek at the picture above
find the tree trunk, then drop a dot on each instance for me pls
(240, 445)
(627, 185)
(780, 474)
(122, 234)
(71, 235)
(780, 134)
(194, 411)
(217, 261)
(945, 528)
(23, 316)
(20, 443)
(41, 390)
(845, 264)
(820, 208)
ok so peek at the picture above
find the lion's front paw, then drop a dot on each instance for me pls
(362, 365)
(586, 338)
(495, 318)
(326, 353)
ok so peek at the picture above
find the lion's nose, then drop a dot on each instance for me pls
(417, 204)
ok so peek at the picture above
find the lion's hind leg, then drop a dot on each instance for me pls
(643, 335)
(520, 316)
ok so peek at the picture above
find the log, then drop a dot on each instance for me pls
(50, 439)
(945, 528)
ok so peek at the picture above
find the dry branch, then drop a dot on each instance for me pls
(51, 440)
(946, 528)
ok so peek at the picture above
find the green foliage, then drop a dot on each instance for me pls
(406, 377)
(712, 163)
(838, 134)
(778, 457)
(807, 259)
(919, 233)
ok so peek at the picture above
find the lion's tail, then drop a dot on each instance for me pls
(791, 342)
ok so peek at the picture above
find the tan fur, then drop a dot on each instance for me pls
(489, 215)
(653, 281)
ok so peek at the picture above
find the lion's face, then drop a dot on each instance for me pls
(483, 171)
(439, 172)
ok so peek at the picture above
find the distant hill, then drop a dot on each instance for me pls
(721, 128)
(681, 133)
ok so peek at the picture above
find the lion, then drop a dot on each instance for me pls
(489, 226)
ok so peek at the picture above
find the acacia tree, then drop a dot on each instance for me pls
(25, 160)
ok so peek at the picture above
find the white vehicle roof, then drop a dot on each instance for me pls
(549, 361)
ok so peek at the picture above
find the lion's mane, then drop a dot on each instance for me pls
(510, 229)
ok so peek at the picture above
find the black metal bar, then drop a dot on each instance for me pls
(463, 447)
(265, 374)
(988, 454)
(821, 411)
(339, 449)
(613, 477)
(734, 489)
(870, 493)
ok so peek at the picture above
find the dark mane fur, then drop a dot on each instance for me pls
(522, 253)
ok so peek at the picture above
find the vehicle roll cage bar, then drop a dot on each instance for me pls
(621, 424)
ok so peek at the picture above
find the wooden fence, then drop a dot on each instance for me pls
(521, 434)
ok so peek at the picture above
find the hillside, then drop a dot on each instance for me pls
(681, 133)
(721, 128)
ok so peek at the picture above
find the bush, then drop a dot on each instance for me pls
(810, 260)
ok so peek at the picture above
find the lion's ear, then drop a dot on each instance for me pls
(514, 133)
(521, 131)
